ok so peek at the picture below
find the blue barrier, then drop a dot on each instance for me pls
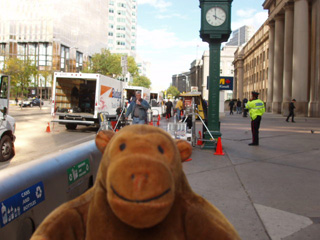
(30, 191)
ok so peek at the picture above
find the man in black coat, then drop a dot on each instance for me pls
(291, 110)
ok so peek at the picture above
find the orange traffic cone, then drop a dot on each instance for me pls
(219, 148)
(159, 118)
(199, 142)
(158, 123)
(48, 128)
(117, 130)
(151, 123)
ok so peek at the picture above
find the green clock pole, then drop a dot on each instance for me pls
(214, 94)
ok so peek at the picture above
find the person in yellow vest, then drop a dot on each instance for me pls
(256, 110)
(179, 107)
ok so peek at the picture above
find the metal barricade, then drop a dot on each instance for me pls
(30, 191)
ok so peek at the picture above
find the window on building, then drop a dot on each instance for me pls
(2, 55)
(79, 61)
(121, 5)
(264, 56)
(111, 2)
(111, 26)
(123, 20)
(111, 18)
(121, 43)
(121, 28)
(231, 71)
(45, 54)
(110, 33)
(111, 10)
(220, 71)
(22, 51)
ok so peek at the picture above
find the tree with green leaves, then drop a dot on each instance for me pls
(109, 64)
(141, 81)
(174, 91)
(21, 72)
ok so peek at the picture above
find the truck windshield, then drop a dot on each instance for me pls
(4, 87)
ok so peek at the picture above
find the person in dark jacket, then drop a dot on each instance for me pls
(138, 109)
(169, 108)
(231, 104)
(291, 110)
(238, 106)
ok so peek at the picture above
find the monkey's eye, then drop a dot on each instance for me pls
(160, 149)
(122, 146)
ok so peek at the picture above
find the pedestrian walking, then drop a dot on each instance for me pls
(244, 104)
(169, 108)
(256, 110)
(138, 109)
(231, 104)
(291, 111)
(238, 106)
(16, 101)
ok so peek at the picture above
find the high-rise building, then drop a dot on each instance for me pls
(241, 36)
(122, 26)
(56, 35)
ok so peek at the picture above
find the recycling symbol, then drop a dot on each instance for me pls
(38, 192)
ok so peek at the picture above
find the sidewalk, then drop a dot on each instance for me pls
(271, 191)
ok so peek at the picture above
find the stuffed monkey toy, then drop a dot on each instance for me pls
(140, 193)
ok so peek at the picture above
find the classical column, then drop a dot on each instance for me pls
(240, 79)
(288, 49)
(314, 104)
(270, 71)
(300, 56)
(278, 64)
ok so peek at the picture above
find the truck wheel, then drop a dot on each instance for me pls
(71, 126)
(6, 148)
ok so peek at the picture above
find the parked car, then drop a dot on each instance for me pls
(31, 102)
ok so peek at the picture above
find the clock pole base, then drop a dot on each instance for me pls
(211, 144)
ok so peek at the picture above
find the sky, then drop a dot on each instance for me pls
(168, 34)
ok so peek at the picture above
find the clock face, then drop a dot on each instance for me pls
(216, 16)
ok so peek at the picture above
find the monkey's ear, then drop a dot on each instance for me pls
(103, 138)
(184, 148)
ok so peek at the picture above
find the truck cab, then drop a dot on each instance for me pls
(7, 123)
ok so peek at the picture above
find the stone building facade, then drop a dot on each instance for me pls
(294, 55)
(292, 70)
(251, 66)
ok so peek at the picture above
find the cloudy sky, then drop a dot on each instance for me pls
(168, 33)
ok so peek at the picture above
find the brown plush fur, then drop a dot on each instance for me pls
(140, 193)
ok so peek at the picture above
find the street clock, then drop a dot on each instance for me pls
(215, 29)
(215, 20)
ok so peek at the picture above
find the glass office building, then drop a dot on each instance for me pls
(58, 35)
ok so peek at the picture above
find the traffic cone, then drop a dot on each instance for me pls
(159, 118)
(117, 130)
(199, 142)
(219, 148)
(181, 113)
(158, 123)
(48, 128)
(188, 160)
(151, 123)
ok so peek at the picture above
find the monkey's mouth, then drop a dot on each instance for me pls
(140, 201)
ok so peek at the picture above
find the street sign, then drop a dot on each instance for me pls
(78, 171)
(124, 65)
(194, 89)
(226, 83)
(20, 203)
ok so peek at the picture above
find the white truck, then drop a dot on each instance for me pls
(7, 123)
(129, 92)
(85, 99)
